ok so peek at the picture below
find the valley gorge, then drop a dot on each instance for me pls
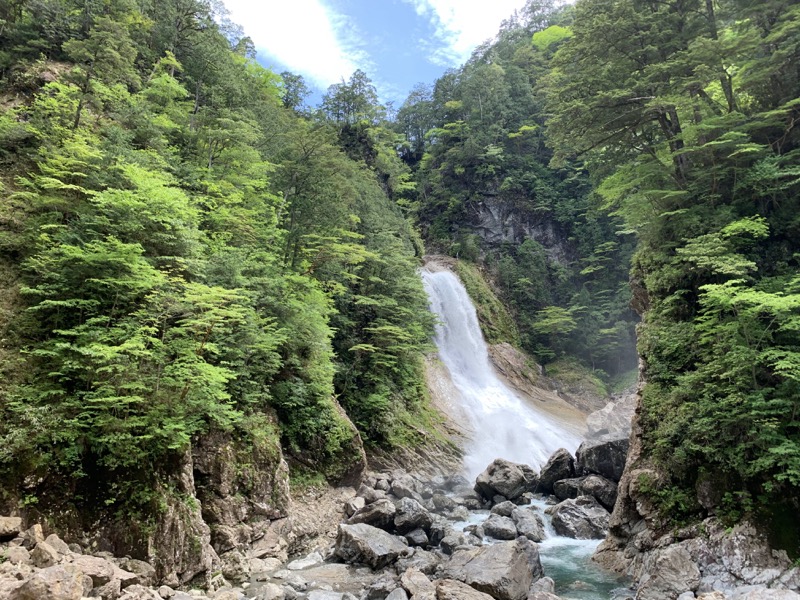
(530, 334)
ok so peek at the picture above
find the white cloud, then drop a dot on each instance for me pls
(461, 25)
(304, 35)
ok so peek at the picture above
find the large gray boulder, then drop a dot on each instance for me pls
(500, 528)
(505, 570)
(411, 515)
(602, 489)
(365, 544)
(582, 518)
(669, 572)
(59, 582)
(606, 458)
(505, 478)
(559, 466)
(529, 524)
(10, 527)
(568, 488)
(450, 589)
(380, 513)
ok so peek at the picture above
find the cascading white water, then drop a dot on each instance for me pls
(504, 425)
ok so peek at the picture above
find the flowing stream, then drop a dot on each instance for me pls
(504, 425)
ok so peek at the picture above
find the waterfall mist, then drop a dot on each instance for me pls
(503, 424)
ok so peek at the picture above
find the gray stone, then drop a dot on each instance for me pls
(568, 488)
(139, 592)
(505, 478)
(529, 524)
(443, 503)
(559, 466)
(353, 505)
(379, 513)
(452, 541)
(765, 594)
(235, 566)
(145, 571)
(668, 572)
(324, 595)
(57, 544)
(32, 536)
(500, 528)
(603, 490)
(450, 589)
(411, 515)
(425, 561)
(418, 585)
(109, 590)
(17, 555)
(582, 518)
(545, 584)
(397, 594)
(504, 509)
(59, 582)
(44, 555)
(504, 570)
(312, 559)
(370, 495)
(606, 458)
(270, 591)
(362, 543)
(99, 569)
(10, 527)
(418, 537)
(166, 592)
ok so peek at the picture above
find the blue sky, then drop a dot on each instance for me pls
(398, 43)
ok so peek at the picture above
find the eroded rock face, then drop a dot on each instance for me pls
(505, 570)
(582, 518)
(368, 545)
(507, 479)
(668, 573)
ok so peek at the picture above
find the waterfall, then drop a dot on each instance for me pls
(503, 424)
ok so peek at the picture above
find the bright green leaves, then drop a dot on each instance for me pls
(715, 253)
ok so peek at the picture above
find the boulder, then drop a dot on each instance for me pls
(504, 570)
(529, 524)
(422, 560)
(10, 527)
(500, 528)
(362, 543)
(370, 495)
(100, 570)
(353, 505)
(139, 592)
(506, 479)
(17, 555)
(582, 518)
(310, 560)
(606, 458)
(418, 585)
(418, 537)
(443, 503)
(411, 515)
(397, 594)
(57, 544)
(450, 589)
(379, 513)
(568, 488)
(602, 489)
(668, 572)
(59, 582)
(270, 591)
(32, 536)
(44, 555)
(406, 486)
(504, 509)
(144, 571)
(560, 466)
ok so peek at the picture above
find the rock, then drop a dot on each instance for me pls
(765, 594)
(44, 555)
(424, 561)
(450, 589)
(139, 592)
(443, 503)
(505, 478)
(411, 515)
(312, 559)
(504, 570)
(418, 585)
(166, 592)
(324, 595)
(126, 578)
(380, 588)
(529, 524)
(668, 572)
(369, 494)
(606, 458)
(382, 484)
(397, 594)
(582, 518)
(452, 541)
(543, 596)
(17, 555)
(228, 595)
(439, 529)
(559, 466)
(504, 509)
(59, 582)
(406, 486)
(500, 528)
(418, 537)
(99, 569)
(32, 536)
(235, 566)
(57, 544)
(145, 571)
(379, 513)
(270, 591)
(603, 490)
(568, 488)
(10, 527)
(353, 505)
(108, 591)
(545, 584)
(362, 543)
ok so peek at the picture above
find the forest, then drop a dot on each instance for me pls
(186, 246)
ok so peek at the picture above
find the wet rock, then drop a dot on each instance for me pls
(44, 555)
(568, 488)
(529, 524)
(500, 528)
(379, 513)
(362, 543)
(606, 458)
(602, 489)
(10, 527)
(440, 527)
(668, 572)
(411, 515)
(504, 570)
(504, 509)
(559, 466)
(59, 582)
(582, 518)
(505, 478)
(450, 589)
(418, 585)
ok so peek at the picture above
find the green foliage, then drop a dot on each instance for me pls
(496, 322)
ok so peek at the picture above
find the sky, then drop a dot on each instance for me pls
(398, 43)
